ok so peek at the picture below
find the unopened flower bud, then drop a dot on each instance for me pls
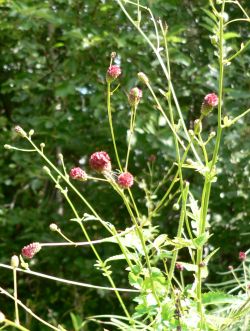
(143, 78)
(212, 134)
(125, 180)
(2, 317)
(152, 158)
(100, 161)
(31, 132)
(20, 131)
(202, 264)
(14, 261)
(135, 96)
(242, 256)
(113, 72)
(210, 101)
(46, 169)
(179, 266)
(197, 126)
(30, 250)
(230, 267)
(78, 174)
(53, 227)
(6, 146)
(176, 206)
(42, 145)
(113, 55)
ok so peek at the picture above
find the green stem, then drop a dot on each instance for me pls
(15, 296)
(208, 182)
(131, 131)
(111, 125)
(15, 325)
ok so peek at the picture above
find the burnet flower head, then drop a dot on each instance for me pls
(78, 174)
(209, 102)
(134, 96)
(30, 250)
(100, 162)
(125, 180)
(113, 72)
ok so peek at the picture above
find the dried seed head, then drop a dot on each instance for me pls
(78, 174)
(135, 96)
(125, 180)
(30, 250)
(100, 161)
(113, 73)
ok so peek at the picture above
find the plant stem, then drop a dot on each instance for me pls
(131, 131)
(208, 179)
(15, 296)
(111, 125)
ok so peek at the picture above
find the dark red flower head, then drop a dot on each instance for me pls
(78, 174)
(179, 266)
(113, 72)
(30, 250)
(125, 180)
(242, 256)
(100, 161)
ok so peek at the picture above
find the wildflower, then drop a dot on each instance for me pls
(179, 266)
(242, 256)
(209, 102)
(30, 250)
(100, 161)
(135, 96)
(78, 174)
(113, 72)
(152, 158)
(125, 180)
(20, 131)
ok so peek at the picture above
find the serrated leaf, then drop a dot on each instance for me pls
(201, 240)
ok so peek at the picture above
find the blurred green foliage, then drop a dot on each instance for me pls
(53, 59)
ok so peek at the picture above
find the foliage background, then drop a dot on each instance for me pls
(53, 59)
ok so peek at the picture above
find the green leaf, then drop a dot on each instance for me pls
(218, 298)
(201, 240)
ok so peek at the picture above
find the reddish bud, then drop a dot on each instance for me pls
(179, 266)
(30, 250)
(78, 174)
(152, 158)
(113, 72)
(20, 131)
(135, 96)
(125, 180)
(242, 256)
(100, 161)
(209, 102)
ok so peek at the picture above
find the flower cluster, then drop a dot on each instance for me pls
(30, 250)
(100, 162)
(113, 72)
(78, 174)
(135, 96)
(209, 102)
(125, 180)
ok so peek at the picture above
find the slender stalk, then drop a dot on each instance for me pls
(179, 233)
(131, 132)
(111, 125)
(15, 325)
(15, 296)
(208, 179)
